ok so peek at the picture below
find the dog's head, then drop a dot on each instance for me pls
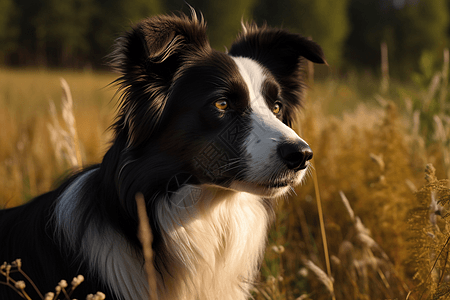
(222, 118)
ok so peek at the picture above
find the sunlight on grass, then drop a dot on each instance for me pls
(28, 164)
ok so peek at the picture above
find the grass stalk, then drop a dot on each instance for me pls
(445, 67)
(434, 264)
(146, 238)
(32, 283)
(322, 229)
(384, 69)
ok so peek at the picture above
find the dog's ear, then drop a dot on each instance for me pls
(283, 54)
(147, 59)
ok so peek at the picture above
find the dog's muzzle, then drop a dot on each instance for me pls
(295, 154)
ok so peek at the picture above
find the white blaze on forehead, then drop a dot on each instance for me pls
(253, 75)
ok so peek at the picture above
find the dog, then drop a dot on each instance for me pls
(205, 137)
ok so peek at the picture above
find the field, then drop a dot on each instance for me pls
(384, 212)
(28, 164)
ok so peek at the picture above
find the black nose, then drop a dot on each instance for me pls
(295, 154)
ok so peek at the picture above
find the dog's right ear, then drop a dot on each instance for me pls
(283, 54)
(147, 58)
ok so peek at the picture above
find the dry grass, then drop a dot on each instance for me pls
(28, 164)
(146, 239)
(62, 290)
(384, 239)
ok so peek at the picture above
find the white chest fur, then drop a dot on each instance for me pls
(217, 244)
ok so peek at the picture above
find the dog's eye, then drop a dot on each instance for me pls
(276, 109)
(221, 104)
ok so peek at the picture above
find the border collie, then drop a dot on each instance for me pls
(205, 137)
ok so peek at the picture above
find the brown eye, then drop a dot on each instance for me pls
(221, 104)
(276, 108)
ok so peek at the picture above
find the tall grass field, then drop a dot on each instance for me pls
(371, 222)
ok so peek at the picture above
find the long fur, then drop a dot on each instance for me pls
(209, 175)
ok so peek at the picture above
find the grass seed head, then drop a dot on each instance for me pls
(321, 275)
(98, 296)
(77, 281)
(278, 249)
(63, 284)
(49, 296)
(303, 272)
(430, 173)
(17, 263)
(20, 285)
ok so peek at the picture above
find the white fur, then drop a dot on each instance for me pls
(217, 243)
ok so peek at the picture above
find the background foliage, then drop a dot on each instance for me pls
(79, 33)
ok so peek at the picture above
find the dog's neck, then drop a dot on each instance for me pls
(212, 240)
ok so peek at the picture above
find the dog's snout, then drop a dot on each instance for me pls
(295, 154)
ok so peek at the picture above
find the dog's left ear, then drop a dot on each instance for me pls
(283, 54)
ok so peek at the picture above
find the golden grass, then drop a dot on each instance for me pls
(28, 164)
(369, 162)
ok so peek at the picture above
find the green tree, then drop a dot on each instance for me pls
(27, 39)
(51, 32)
(325, 21)
(70, 32)
(62, 31)
(410, 28)
(421, 26)
(112, 17)
(370, 25)
(8, 29)
(223, 17)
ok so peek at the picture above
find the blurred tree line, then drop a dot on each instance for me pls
(79, 33)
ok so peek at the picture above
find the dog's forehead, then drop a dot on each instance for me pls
(255, 77)
(252, 73)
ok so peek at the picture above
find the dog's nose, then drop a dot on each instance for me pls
(295, 154)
